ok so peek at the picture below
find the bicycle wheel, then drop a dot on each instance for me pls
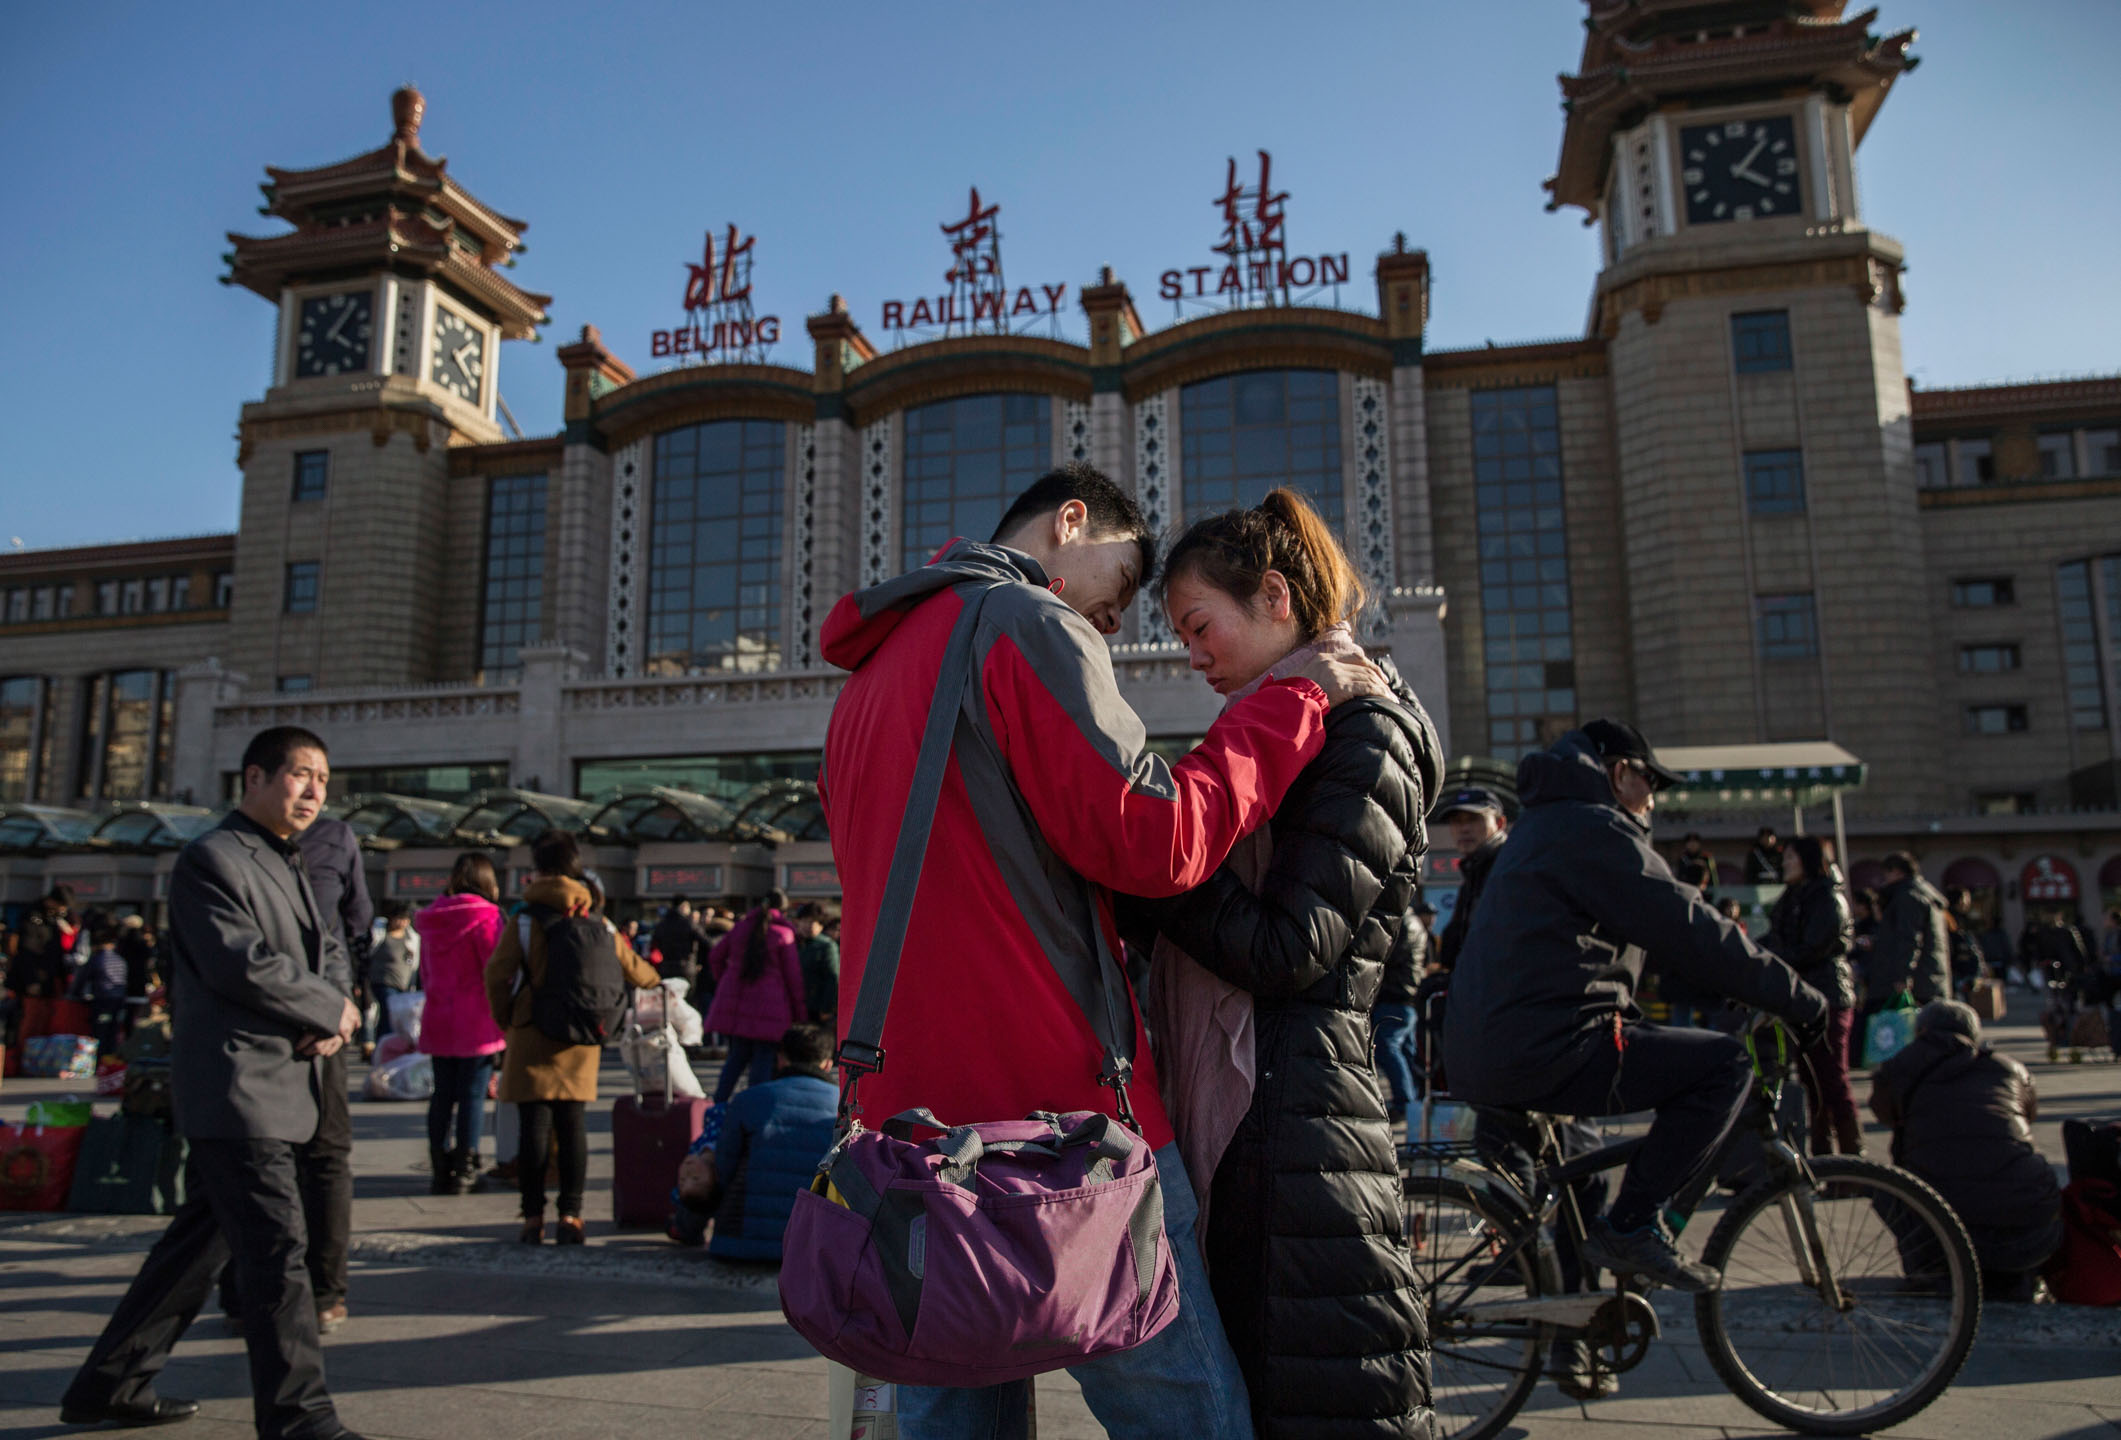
(1909, 1307)
(1481, 1372)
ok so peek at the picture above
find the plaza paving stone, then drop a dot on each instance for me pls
(458, 1333)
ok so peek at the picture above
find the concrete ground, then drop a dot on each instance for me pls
(460, 1334)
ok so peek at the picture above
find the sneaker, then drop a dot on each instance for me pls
(1575, 1376)
(331, 1318)
(1648, 1252)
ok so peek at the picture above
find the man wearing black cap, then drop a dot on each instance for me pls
(1542, 1013)
(1478, 827)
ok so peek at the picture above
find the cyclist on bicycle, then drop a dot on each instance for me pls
(1542, 1013)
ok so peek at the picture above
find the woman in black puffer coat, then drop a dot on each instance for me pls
(1810, 929)
(1304, 1240)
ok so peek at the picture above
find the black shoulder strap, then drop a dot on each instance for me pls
(862, 1052)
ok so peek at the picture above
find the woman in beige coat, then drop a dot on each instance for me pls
(550, 1082)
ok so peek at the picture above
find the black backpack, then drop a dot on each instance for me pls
(584, 993)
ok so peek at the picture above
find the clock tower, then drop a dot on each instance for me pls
(392, 307)
(1775, 579)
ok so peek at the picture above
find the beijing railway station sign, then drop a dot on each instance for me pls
(978, 298)
(719, 324)
(1256, 268)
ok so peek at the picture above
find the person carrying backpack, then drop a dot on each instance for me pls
(557, 983)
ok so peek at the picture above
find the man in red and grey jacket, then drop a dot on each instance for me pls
(1051, 798)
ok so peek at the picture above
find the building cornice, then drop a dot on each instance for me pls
(1497, 366)
(2022, 492)
(18, 565)
(513, 457)
(1284, 337)
(2091, 398)
(692, 394)
(1810, 259)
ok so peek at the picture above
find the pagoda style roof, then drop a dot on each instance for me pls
(395, 208)
(1641, 54)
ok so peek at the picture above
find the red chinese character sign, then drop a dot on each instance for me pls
(719, 325)
(2048, 879)
(978, 299)
(1256, 268)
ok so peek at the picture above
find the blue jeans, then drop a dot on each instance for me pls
(1398, 1059)
(1182, 1381)
(460, 1086)
(754, 1056)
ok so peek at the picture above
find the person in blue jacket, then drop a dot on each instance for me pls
(771, 1138)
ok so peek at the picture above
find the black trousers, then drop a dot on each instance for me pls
(1696, 1081)
(1507, 1141)
(324, 1170)
(244, 1202)
(562, 1125)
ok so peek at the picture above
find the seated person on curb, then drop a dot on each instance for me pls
(1542, 1014)
(1962, 1119)
(771, 1138)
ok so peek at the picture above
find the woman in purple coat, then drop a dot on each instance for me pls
(758, 992)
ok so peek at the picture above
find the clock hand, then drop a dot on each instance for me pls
(1743, 169)
(456, 357)
(344, 316)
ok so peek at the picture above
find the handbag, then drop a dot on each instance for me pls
(2088, 1030)
(1888, 1032)
(37, 1165)
(1988, 999)
(2086, 1270)
(1003, 1249)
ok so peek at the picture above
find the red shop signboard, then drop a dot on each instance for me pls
(2048, 878)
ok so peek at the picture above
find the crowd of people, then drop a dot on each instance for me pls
(1263, 892)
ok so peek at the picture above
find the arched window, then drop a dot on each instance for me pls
(966, 460)
(714, 531)
(1243, 435)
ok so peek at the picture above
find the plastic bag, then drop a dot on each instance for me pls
(679, 1013)
(648, 1052)
(60, 1057)
(409, 1077)
(1888, 1032)
(60, 1111)
(405, 1012)
(391, 1047)
(1447, 1122)
(37, 1165)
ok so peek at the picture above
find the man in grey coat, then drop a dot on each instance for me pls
(259, 1001)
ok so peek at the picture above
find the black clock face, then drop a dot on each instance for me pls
(334, 335)
(1740, 170)
(458, 359)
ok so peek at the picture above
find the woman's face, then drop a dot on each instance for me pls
(1792, 867)
(1232, 642)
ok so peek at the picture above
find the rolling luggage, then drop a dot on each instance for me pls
(649, 1139)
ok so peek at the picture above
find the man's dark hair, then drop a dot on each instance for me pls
(61, 895)
(103, 935)
(806, 1047)
(556, 853)
(269, 749)
(679, 902)
(1902, 861)
(1112, 511)
(1690, 837)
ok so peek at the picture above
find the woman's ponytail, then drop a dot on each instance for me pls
(1234, 551)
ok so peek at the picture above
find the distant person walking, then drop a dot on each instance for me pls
(260, 998)
(458, 934)
(758, 992)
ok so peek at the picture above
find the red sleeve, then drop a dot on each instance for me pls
(1111, 808)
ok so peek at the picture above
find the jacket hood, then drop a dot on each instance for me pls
(1938, 1055)
(860, 622)
(1568, 771)
(453, 917)
(558, 893)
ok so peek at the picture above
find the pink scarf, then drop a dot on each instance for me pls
(1203, 1023)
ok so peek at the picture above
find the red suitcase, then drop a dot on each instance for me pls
(649, 1137)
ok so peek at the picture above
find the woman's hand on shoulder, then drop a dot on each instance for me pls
(1344, 680)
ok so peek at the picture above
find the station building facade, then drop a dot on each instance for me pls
(1722, 510)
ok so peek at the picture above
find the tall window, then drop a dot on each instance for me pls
(126, 734)
(1789, 630)
(301, 595)
(224, 588)
(1761, 341)
(1774, 482)
(515, 570)
(1243, 435)
(312, 472)
(714, 578)
(2058, 455)
(22, 735)
(2081, 662)
(18, 605)
(966, 460)
(1931, 469)
(1977, 462)
(1524, 569)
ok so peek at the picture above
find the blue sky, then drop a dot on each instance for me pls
(841, 135)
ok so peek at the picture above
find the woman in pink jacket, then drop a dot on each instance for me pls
(457, 936)
(758, 992)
